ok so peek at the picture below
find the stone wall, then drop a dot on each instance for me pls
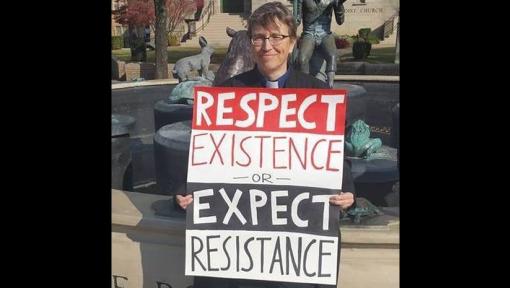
(371, 14)
(132, 71)
(148, 250)
(118, 70)
(144, 70)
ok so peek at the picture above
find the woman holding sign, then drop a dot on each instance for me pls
(272, 30)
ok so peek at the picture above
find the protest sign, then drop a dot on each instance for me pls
(262, 166)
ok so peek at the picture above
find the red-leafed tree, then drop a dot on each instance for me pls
(163, 16)
(137, 14)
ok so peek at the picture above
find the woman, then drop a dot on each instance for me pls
(272, 30)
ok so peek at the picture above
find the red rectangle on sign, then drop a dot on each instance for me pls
(317, 111)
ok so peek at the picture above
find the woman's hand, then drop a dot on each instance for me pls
(184, 201)
(344, 199)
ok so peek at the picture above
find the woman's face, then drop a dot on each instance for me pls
(272, 59)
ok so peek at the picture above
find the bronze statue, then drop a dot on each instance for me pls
(239, 58)
(200, 62)
(358, 142)
(316, 17)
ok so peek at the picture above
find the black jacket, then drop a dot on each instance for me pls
(297, 79)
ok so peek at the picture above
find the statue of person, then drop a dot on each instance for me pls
(316, 17)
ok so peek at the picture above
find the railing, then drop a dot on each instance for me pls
(389, 26)
(386, 29)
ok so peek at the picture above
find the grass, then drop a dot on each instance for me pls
(377, 55)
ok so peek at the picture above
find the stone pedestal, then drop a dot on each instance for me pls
(171, 149)
(374, 178)
(122, 171)
(166, 113)
(357, 102)
(148, 249)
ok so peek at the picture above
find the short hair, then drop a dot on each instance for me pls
(266, 14)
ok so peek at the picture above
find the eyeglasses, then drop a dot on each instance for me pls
(274, 39)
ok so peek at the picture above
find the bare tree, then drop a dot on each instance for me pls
(161, 41)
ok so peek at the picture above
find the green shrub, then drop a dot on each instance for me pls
(363, 43)
(117, 42)
(361, 50)
(174, 40)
